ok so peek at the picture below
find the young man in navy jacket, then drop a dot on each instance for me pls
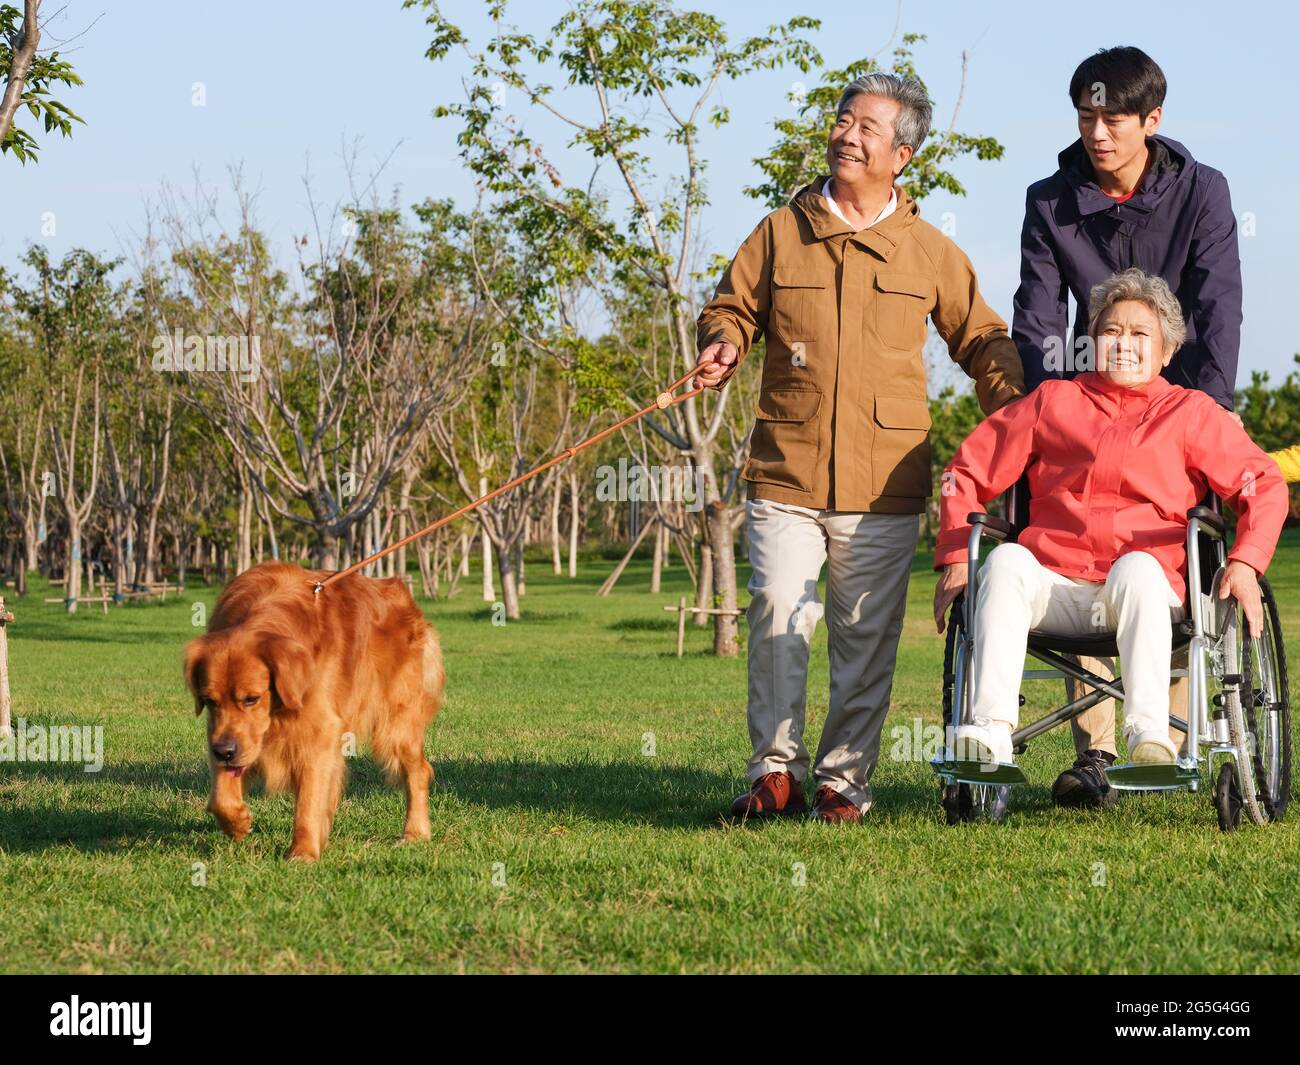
(1124, 196)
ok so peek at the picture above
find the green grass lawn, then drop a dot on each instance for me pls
(559, 845)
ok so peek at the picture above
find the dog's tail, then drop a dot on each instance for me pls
(435, 677)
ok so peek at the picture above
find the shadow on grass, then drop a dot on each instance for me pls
(660, 624)
(642, 793)
(437, 612)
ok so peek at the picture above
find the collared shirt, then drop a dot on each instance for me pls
(1114, 470)
(885, 211)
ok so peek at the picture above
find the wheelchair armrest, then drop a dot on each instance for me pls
(1208, 517)
(998, 528)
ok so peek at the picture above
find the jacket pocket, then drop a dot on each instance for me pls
(794, 304)
(784, 445)
(900, 453)
(902, 303)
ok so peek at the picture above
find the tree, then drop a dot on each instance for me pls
(22, 437)
(799, 153)
(637, 67)
(28, 78)
(1272, 415)
(340, 383)
(74, 312)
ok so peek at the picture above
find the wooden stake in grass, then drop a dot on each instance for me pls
(682, 610)
(5, 718)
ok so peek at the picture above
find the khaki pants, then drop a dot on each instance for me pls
(870, 560)
(1095, 729)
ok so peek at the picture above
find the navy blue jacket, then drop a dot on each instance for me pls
(1178, 224)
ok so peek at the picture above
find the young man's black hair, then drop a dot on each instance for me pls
(1123, 80)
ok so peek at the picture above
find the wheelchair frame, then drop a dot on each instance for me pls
(1251, 737)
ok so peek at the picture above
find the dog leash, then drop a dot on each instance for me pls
(663, 401)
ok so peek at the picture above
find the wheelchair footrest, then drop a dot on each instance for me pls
(959, 772)
(1147, 776)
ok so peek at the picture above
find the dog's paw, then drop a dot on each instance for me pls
(416, 834)
(236, 825)
(299, 853)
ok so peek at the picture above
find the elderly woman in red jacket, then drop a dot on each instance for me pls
(1115, 459)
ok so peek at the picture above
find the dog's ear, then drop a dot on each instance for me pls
(291, 668)
(196, 669)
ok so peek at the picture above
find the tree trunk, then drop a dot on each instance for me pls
(31, 541)
(657, 565)
(725, 627)
(5, 715)
(244, 543)
(72, 568)
(120, 527)
(489, 592)
(150, 542)
(327, 549)
(506, 554)
(180, 560)
(704, 586)
(573, 524)
(556, 564)
(403, 510)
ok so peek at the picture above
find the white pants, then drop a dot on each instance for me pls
(1017, 593)
(870, 560)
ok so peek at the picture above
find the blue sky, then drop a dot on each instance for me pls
(288, 81)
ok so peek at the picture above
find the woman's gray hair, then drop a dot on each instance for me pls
(1133, 284)
(912, 125)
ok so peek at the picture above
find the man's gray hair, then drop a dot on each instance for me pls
(1133, 284)
(912, 125)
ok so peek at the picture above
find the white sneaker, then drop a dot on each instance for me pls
(989, 743)
(1151, 748)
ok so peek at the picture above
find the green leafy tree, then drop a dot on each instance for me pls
(1272, 416)
(799, 153)
(29, 77)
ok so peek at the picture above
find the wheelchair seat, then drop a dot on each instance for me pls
(1096, 645)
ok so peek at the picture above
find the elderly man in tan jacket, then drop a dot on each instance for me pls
(840, 283)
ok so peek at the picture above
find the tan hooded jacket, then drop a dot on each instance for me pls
(843, 420)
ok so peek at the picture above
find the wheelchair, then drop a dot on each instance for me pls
(1239, 709)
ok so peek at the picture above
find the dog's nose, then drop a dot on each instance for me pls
(225, 752)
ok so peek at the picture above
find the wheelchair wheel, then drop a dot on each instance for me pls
(1259, 720)
(1227, 799)
(964, 802)
(1266, 706)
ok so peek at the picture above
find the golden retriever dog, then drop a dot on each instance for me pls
(289, 677)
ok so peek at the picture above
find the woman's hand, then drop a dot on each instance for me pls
(1241, 582)
(951, 585)
(717, 359)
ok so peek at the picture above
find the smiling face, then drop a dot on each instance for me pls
(860, 150)
(1131, 349)
(240, 681)
(1113, 141)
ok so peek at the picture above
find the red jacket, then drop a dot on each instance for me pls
(1113, 470)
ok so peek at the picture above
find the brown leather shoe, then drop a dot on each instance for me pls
(771, 795)
(832, 807)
